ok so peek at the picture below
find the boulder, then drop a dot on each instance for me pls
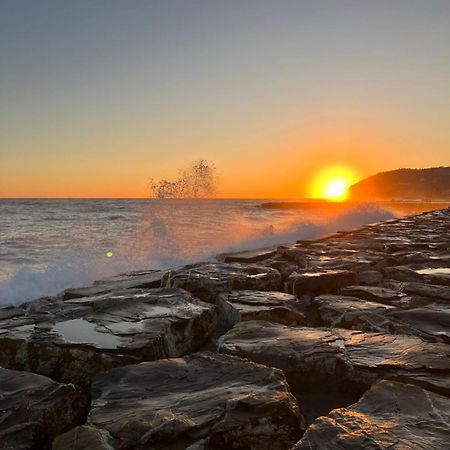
(431, 322)
(248, 256)
(427, 290)
(207, 280)
(237, 306)
(34, 409)
(318, 282)
(351, 356)
(389, 415)
(89, 335)
(136, 280)
(382, 295)
(401, 273)
(369, 277)
(350, 312)
(84, 437)
(202, 401)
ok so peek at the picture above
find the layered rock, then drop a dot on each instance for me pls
(389, 415)
(34, 409)
(339, 311)
(316, 282)
(431, 322)
(249, 256)
(382, 295)
(237, 306)
(201, 401)
(89, 335)
(353, 357)
(207, 280)
(134, 280)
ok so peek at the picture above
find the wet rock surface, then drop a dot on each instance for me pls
(336, 314)
(237, 306)
(151, 279)
(389, 415)
(86, 336)
(319, 358)
(207, 280)
(205, 400)
(329, 280)
(34, 409)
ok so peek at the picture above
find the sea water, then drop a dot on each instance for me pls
(47, 245)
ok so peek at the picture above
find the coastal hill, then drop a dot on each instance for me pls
(404, 184)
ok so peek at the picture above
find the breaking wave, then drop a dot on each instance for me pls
(158, 244)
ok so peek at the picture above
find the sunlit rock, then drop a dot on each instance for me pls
(89, 335)
(34, 409)
(206, 280)
(128, 281)
(202, 401)
(389, 415)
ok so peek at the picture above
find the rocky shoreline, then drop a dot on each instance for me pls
(340, 342)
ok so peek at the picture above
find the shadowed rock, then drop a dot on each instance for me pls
(85, 437)
(350, 312)
(34, 409)
(382, 295)
(249, 256)
(207, 280)
(348, 355)
(427, 290)
(318, 282)
(89, 335)
(369, 277)
(201, 401)
(389, 415)
(278, 307)
(431, 323)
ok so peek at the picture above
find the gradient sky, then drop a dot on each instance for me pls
(99, 96)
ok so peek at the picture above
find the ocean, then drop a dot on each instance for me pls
(47, 245)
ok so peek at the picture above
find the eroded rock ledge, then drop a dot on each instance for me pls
(206, 400)
(348, 334)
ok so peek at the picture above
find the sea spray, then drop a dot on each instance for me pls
(176, 232)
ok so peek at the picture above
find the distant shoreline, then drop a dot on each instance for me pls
(317, 204)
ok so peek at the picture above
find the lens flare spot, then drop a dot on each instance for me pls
(109, 254)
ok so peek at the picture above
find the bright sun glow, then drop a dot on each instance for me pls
(336, 189)
(332, 183)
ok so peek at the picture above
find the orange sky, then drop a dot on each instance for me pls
(98, 98)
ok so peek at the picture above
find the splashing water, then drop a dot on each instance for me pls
(198, 181)
(50, 245)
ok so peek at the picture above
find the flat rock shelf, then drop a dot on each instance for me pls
(340, 342)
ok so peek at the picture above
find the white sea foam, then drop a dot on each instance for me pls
(168, 238)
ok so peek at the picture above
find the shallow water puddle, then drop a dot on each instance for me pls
(82, 331)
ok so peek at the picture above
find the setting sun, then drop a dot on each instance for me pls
(332, 183)
(336, 189)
